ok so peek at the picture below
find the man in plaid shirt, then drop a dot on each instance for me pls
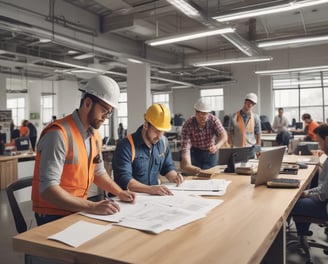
(202, 136)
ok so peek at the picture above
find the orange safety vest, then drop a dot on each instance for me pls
(245, 129)
(78, 172)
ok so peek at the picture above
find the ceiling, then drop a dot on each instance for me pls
(41, 39)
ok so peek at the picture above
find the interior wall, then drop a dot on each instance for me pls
(184, 100)
(68, 97)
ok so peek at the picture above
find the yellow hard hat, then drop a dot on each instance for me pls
(158, 115)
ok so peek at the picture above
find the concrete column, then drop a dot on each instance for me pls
(3, 93)
(138, 93)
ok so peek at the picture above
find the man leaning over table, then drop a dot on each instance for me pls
(139, 172)
(69, 158)
(313, 202)
(202, 136)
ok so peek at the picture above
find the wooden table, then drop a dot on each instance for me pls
(248, 225)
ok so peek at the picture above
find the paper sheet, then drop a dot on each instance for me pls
(159, 213)
(79, 233)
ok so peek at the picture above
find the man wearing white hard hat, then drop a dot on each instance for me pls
(244, 129)
(69, 158)
(199, 135)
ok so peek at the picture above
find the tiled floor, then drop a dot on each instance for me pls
(8, 256)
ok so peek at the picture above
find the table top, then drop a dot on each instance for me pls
(17, 156)
(240, 230)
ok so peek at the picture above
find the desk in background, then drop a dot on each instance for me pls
(269, 140)
(9, 168)
(248, 225)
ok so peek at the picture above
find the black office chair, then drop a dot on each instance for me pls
(20, 222)
(303, 242)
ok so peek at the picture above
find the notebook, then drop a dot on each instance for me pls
(269, 165)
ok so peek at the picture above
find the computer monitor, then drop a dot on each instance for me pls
(242, 154)
(299, 125)
(22, 143)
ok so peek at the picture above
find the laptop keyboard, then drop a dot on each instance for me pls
(283, 183)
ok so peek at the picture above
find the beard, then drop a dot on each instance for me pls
(94, 123)
(153, 140)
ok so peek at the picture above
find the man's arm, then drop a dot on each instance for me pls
(137, 186)
(105, 182)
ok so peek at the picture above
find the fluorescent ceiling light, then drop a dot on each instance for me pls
(303, 69)
(232, 61)
(72, 52)
(184, 7)
(189, 36)
(84, 56)
(134, 60)
(275, 43)
(269, 10)
(44, 40)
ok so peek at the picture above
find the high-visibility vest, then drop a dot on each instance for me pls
(78, 172)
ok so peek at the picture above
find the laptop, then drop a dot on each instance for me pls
(269, 165)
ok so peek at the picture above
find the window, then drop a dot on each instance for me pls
(214, 97)
(162, 99)
(300, 93)
(46, 108)
(122, 114)
(17, 106)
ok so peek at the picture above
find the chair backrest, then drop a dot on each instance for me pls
(20, 184)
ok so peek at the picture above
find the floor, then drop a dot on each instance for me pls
(8, 231)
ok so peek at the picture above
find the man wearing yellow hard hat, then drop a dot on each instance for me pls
(144, 155)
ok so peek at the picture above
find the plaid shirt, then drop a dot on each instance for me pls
(202, 138)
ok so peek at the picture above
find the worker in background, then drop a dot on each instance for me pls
(32, 134)
(280, 126)
(245, 126)
(141, 157)
(310, 125)
(69, 158)
(24, 130)
(202, 136)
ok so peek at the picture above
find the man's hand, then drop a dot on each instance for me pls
(177, 178)
(127, 196)
(105, 207)
(159, 190)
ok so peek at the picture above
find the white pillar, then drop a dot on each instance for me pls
(3, 93)
(138, 93)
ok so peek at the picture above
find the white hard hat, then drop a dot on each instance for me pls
(251, 97)
(104, 88)
(202, 106)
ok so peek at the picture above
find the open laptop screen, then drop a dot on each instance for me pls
(241, 154)
(269, 165)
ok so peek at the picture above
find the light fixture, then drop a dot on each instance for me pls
(184, 7)
(269, 10)
(291, 41)
(232, 61)
(134, 60)
(303, 69)
(189, 36)
(84, 56)
(44, 40)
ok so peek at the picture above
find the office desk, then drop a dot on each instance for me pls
(240, 230)
(9, 168)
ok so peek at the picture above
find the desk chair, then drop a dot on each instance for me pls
(20, 221)
(303, 243)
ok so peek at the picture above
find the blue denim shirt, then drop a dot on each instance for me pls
(147, 164)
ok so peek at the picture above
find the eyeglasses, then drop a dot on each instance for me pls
(106, 113)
